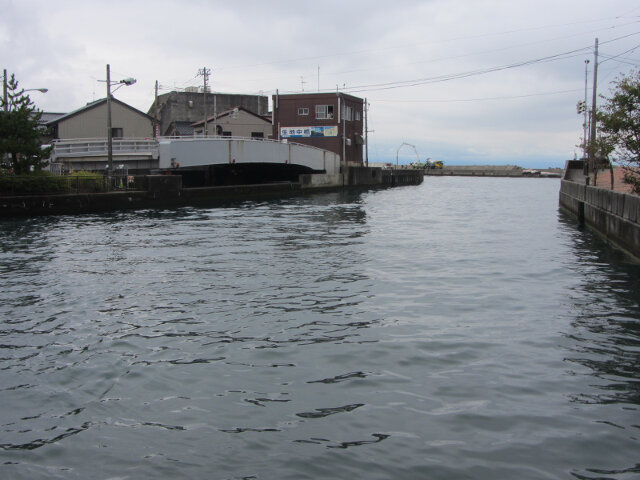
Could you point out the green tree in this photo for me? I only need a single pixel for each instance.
(20, 132)
(619, 126)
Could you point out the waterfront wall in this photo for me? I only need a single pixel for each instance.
(477, 171)
(166, 191)
(492, 171)
(394, 178)
(613, 214)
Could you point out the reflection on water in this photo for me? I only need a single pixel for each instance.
(606, 328)
(457, 329)
(605, 344)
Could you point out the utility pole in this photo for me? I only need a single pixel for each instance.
(156, 127)
(594, 132)
(205, 72)
(366, 135)
(586, 70)
(5, 97)
(109, 133)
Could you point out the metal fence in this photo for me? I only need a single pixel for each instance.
(12, 185)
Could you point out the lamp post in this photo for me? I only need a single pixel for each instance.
(5, 90)
(594, 125)
(127, 81)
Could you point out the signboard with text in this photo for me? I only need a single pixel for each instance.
(302, 132)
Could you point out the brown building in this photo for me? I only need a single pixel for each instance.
(332, 121)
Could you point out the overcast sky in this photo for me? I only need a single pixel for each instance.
(464, 81)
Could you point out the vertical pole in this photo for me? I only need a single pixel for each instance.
(594, 132)
(366, 133)
(204, 74)
(585, 125)
(275, 114)
(345, 172)
(344, 142)
(156, 126)
(109, 137)
(4, 91)
(5, 99)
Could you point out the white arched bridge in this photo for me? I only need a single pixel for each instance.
(191, 154)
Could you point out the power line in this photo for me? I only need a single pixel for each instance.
(506, 97)
(619, 55)
(471, 73)
(454, 39)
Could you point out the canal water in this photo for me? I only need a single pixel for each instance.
(460, 329)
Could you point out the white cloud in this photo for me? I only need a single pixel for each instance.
(253, 46)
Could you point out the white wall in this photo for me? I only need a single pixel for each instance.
(193, 152)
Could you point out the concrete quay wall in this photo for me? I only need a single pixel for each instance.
(166, 191)
(614, 215)
(477, 171)
(492, 171)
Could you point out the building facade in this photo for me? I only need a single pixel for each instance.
(237, 122)
(174, 111)
(80, 138)
(331, 121)
(90, 121)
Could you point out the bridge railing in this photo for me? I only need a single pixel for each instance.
(86, 147)
(218, 138)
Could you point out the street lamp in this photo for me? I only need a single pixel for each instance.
(127, 81)
(5, 88)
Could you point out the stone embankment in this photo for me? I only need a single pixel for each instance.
(613, 214)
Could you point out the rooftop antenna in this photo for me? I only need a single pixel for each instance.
(302, 82)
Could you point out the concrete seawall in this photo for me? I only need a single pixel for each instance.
(166, 191)
(614, 215)
(491, 171)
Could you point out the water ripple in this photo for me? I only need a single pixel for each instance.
(463, 328)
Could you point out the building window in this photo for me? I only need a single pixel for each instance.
(347, 112)
(357, 116)
(303, 111)
(324, 111)
(116, 132)
(257, 134)
(226, 134)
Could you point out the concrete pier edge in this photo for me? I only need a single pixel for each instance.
(613, 215)
(166, 191)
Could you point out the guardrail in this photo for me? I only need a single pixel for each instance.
(86, 147)
(219, 138)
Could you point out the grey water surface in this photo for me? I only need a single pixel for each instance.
(460, 329)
